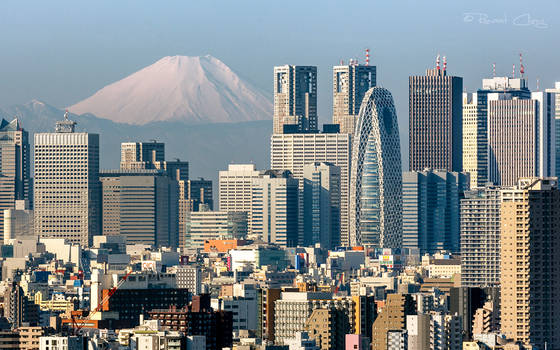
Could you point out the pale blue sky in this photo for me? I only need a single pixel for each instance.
(63, 51)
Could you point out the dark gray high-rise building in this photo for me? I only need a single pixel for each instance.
(435, 120)
(431, 212)
(14, 167)
(142, 205)
(295, 99)
(350, 84)
(200, 192)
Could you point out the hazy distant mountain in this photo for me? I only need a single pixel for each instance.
(208, 147)
(194, 90)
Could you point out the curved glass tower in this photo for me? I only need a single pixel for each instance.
(376, 174)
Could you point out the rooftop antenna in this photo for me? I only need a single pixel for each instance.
(521, 67)
(66, 114)
(513, 72)
(538, 84)
(437, 62)
(494, 69)
(342, 62)
(444, 64)
(367, 57)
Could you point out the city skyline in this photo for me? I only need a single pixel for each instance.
(60, 77)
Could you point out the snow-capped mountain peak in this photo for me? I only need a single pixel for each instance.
(198, 89)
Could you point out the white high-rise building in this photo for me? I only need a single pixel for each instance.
(235, 186)
(350, 84)
(66, 186)
(295, 98)
(274, 212)
(293, 151)
(520, 137)
(376, 175)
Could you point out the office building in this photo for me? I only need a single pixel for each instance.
(435, 125)
(66, 185)
(376, 175)
(293, 151)
(530, 277)
(18, 222)
(200, 192)
(189, 277)
(475, 143)
(205, 225)
(431, 212)
(70, 342)
(556, 92)
(475, 124)
(392, 317)
(526, 126)
(15, 179)
(235, 186)
(480, 237)
(294, 308)
(295, 99)
(274, 209)
(350, 84)
(141, 205)
(141, 155)
(321, 192)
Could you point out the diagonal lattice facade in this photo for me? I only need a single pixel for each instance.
(376, 174)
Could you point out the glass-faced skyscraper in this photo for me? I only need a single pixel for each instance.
(376, 176)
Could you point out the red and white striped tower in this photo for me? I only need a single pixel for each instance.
(521, 66)
(437, 62)
(513, 71)
(494, 69)
(367, 57)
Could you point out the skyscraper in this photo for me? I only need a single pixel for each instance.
(14, 167)
(274, 209)
(523, 125)
(475, 124)
(556, 92)
(350, 84)
(142, 205)
(480, 238)
(141, 154)
(530, 277)
(295, 98)
(435, 124)
(376, 175)
(321, 192)
(431, 215)
(293, 151)
(235, 185)
(66, 187)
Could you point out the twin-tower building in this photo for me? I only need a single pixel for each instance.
(362, 141)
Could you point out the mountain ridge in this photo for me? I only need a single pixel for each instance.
(190, 89)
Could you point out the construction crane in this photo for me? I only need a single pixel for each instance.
(78, 327)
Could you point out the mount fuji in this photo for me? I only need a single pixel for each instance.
(191, 90)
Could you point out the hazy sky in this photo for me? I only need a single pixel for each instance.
(63, 51)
